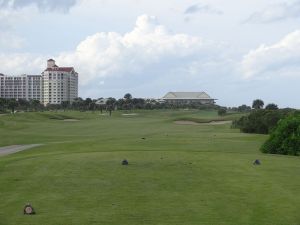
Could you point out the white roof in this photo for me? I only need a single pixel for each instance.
(102, 101)
(187, 95)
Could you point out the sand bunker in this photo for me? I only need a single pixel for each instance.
(219, 122)
(186, 122)
(16, 148)
(71, 120)
(130, 114)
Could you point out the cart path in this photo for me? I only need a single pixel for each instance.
(16, 148)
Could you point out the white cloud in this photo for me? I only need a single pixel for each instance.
(9, 18)
(42, 5)
(201, 8)
(276, 12)
(146, 53)
(282, 58)
(147, 45)
(21, 63)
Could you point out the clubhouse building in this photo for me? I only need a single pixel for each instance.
(182, 98)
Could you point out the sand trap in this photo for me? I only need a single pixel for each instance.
(16, 148)
(104, 114)
(71, 120)
(219, 122)
(186, 122)
(130, 114)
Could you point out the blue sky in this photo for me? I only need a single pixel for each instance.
(236, 51)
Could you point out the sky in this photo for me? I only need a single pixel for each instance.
(236, 51)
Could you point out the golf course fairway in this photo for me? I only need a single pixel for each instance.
(178, 173)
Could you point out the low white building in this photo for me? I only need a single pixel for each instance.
(188, 98)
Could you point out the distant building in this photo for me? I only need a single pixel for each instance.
(55, 85)
(188, 98)
(154, 100)
(27, 87)
(101, 101)
(59, 84)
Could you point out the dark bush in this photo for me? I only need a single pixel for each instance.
(272, 106)
(222, 112)
(285, 139)
(244, 108)
(261, 121)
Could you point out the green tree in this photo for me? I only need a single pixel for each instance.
(65, 105)
(128, 96)
(93, 105)
(35, 104)
(271, 106)
(87, 103)
(244, 108)
(110, 105)
(78, 104)
(261, 121)
(258, 104)
(222, 111)
(138, 103)
(2, 104)
(12, 104)
(286, 137)
(127, 101)
(23, 104)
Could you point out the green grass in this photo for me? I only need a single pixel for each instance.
(178, 174)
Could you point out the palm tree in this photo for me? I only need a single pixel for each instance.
(35, 104)
(257, 104)
(128, 96)
(23, 104)
(65, 105)
(12, 104)
(128, 101)
(87, 103)
(2, 104)
(78, 104)
(110, 104)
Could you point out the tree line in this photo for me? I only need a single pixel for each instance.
(261, 120)
(283, 125)
(89, 104)
(20, 104)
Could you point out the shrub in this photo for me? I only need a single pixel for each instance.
(222, 111)
(244, 108)
(272, 106)
(286, 137)
(261, 121)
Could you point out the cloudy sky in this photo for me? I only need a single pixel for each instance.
(236, 51)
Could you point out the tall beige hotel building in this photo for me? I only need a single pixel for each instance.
(55, 85)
